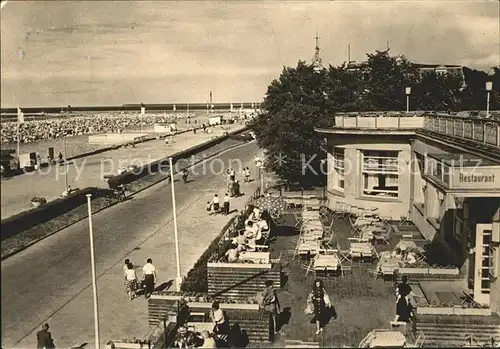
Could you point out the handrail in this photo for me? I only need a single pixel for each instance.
(486, 131)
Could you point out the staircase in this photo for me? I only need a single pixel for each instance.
(452, 330)
(300, 344)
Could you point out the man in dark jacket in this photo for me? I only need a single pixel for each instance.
(44, 338)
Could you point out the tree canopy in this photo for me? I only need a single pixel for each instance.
(300, 100)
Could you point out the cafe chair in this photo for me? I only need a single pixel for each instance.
(345, 268)
(419, 341)
(375, 272)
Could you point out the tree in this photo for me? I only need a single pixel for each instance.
(295, 105)
(438, 92)
(385, 79)
(303, 99)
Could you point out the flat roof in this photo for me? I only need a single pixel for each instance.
(463, 160)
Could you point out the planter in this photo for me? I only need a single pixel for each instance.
(443, 271)
(224, 306)
(409, 271)
(166, 297)
(239, 265)
(124, 345)
(453, 311)
(472, 311)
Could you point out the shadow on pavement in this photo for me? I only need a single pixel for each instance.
(164, 286)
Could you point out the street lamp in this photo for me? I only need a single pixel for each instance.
(489, 87)
(408, 92)
(94, 279)
(178, 278)
(258, 164)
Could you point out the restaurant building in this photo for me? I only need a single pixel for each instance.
(440, 171)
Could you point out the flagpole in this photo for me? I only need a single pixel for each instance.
(19, 135)
(18, 141)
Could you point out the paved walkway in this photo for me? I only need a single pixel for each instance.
(49, 183)
(50, 281)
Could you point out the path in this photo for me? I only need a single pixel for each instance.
(50, 281)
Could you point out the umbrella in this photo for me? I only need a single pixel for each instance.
(274, 205)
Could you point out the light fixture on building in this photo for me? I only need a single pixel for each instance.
(489, 87)
(408, 92)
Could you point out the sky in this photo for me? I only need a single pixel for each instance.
(55, 53)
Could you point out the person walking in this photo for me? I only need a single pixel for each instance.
(149, 272)
(271, 304)
(185, 174)
(226, 204)
(216, 204)
(131, 282)
(247, 174)
(232, 174)
(44, 338)
(317, 298)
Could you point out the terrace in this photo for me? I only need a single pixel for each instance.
(473, 132)
(361, 287)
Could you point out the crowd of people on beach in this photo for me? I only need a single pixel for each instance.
(37, 130)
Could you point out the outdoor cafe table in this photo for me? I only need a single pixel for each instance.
(312, 235)
(310, 214)
(312, 225)
(387, 265)
(388, 339)
(361, 248)
(326, 262)
(256, 257)
(309, 246)
(201, 326)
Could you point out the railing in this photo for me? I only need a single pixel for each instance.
(404, 121)
(485, 131)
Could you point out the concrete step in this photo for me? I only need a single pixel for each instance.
(441, 326)
(458, 338)
(300, 344)
(463, 334)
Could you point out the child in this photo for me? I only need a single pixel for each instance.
(209, 208)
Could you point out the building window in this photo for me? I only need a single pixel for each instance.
(338, 169)
(380, 173)
(487, 265)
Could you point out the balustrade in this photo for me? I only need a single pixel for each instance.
(480, 130)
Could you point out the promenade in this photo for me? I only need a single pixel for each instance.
(49, 183)
(50, 281)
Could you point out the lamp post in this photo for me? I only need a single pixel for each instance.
(489, 87)
(408, 92)
(258, 164)
(178, 278)
(94, 280)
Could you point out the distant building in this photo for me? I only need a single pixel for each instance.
(439, 69)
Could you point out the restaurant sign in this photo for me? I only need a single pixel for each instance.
(477, 178)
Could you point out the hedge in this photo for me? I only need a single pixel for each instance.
(197, 279)
(44, 213)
